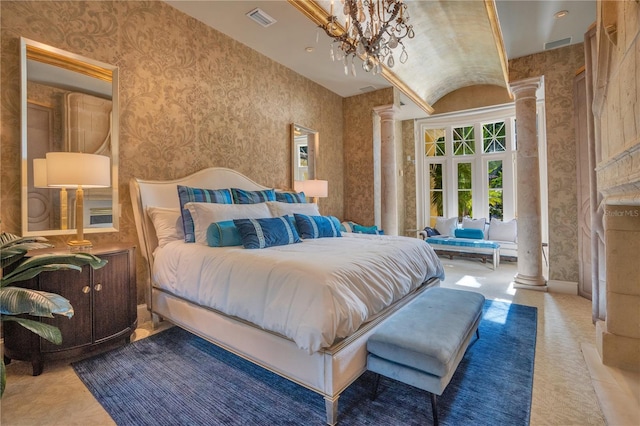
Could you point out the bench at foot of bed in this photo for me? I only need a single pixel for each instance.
(422, 344)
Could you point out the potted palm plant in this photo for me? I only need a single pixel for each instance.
(17, 300)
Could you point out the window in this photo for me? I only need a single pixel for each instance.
(466, 165)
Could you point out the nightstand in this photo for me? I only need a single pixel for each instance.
(104, 303)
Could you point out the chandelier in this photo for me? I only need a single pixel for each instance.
(373, 29)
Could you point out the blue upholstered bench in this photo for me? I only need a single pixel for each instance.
(422, 344)
(467, 245)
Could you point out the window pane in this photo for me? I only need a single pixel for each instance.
(463, 141)
(436, 194)
(495, 189)
(494, 137)
(465, 199)
(434, 145)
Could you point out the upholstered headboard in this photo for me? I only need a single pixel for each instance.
(145, 193)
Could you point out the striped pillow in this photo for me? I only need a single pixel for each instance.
(267, 232)
(317, 226)
(187, 194)
(291, 197)
(242, 196)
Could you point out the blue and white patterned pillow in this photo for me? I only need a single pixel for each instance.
(291, 197)
(187, 194)
(223, 234)
(267, 232)
(243, 196)
(373, 230)
(317, 226)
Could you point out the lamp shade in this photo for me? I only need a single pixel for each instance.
(76, 169)
(312, 187)
(39, 172)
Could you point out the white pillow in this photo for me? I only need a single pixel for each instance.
(279, 208)
(503, 231)
(204, 214)
(468, 223)
(167, 223)
(446, 227)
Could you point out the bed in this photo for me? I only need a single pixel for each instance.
(279, 318)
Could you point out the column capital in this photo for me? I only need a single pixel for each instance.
(386, 112)
(522, 87)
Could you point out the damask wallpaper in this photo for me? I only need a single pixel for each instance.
(190, 97)
(559, 68)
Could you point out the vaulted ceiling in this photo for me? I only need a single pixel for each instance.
(458, 43)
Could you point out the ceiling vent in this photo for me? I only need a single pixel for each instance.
(558, 43)
(261, 17)
(366, 89)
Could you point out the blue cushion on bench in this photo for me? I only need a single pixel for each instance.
(475, 234)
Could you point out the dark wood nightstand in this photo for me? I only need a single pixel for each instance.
(104, 304)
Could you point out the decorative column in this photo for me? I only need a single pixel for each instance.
(528, 184)
(389, 168)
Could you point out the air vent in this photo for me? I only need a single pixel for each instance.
(558, 43)
(366, 89)
(261, 17)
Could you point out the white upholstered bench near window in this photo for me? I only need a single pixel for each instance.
(423, 343)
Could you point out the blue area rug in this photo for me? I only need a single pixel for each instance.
(176, 378)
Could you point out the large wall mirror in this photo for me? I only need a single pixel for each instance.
(304, 146)
(68, 103)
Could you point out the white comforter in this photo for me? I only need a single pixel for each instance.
(312, 292)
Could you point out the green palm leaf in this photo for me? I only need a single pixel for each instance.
(51, 262)
(18, 300)
(43, 330)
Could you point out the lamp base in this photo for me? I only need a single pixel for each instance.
(79, 245)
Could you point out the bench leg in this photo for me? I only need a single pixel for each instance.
(434, 408)
(376, 383)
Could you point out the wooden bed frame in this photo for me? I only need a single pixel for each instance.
(327, 372)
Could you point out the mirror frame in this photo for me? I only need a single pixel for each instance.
(33, 50)
(312, 151)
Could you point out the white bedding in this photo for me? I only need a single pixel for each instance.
(312, 292)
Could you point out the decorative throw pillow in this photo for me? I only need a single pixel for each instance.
(167, 223)
(279, 208)
(317, 226)
(242, 196)
(446, 227)
(204, 214)
(187, 194)
(347, 226)
(503, 231)
(359, 229)
(472, 233)
(431, 232)
(468, 223)
(223, 234)
(269, 232)
(290, 197)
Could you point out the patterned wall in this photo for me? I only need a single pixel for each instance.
(559, 68)
(190, 97)
(358, 154)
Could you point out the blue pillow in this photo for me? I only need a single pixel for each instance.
(317, 226)
(475, 234)
(242, 196)
(223, 234)
(290, 197)
(359, 229)
(267, 232)
(187, 194)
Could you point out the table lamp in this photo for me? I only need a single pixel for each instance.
(40, 181)
(314, 188)
(78, 170)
